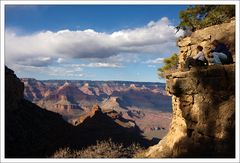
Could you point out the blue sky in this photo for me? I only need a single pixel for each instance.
(90, 42)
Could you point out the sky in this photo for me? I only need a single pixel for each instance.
(90, 42)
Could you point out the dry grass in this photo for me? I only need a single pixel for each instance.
(103, 149)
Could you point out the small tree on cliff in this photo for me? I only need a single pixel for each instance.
(201, 16)
(170, 64)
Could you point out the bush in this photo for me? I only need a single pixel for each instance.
(63, 153)
(170, 64)
(103, 149)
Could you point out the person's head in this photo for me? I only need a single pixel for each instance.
(199, 48)
(210, 55)
(215, 42)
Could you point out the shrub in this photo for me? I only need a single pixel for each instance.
(170, 64)
(102, 149)
(63, 153)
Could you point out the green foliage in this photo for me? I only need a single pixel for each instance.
(170, 64)
(201, 16)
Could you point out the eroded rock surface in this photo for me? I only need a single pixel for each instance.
(203, 124)
(225, 33)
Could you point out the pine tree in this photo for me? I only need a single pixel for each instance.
(201, 16)
(170, 64)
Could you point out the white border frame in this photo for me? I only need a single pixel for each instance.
(125, 2)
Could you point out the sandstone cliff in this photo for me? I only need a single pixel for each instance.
(203, 124)
(203, 102)
(225, 33)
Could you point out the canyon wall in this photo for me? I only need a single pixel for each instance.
(203, 102)
(225, 33)
(203, 123)
(34, 132)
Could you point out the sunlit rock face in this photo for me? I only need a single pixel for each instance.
(225, 33)
(203, 101)
(203, 123)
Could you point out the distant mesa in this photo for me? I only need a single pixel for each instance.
(133, 86)
(113, 103)
(85, 89)
(75, 99)
(143, 87)
(86, 84)
(86, 94)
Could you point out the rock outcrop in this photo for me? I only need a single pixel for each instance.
(105, 118)
(203, 124)
(114, 103)
(13, 88)
(203, 101)
(100, 125)
(34, 89)
(225, 33)
(30, 131)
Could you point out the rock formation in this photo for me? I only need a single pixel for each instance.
(99, 125)
(203, 123)
(225, 33)
(30, 131)
(113, 103)
(34, 89)
(203, 102)
(104, 118)
(33, 132)
(57, 95)
(73, 98)
(13, 88)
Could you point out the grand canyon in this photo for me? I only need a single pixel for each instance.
(144, 104)
(113, 81)
(54, 115)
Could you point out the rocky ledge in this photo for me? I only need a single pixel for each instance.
(203, 124)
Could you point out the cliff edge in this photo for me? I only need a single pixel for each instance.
(203, 124)
(203, 101)
(224, 33)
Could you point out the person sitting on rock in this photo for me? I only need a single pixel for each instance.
(220, 54)
(198, 60)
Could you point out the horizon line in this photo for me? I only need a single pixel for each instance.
(93, 80)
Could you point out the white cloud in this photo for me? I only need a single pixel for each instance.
(60, 60)
(120, 58)
(155, 61)
(104, 65)
(44, 48)
(98, 65)
(44, 58)
(64, 71)
(151, 66)
(36, 61)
